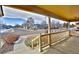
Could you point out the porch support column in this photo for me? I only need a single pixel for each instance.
(69, 28)
(49, 31)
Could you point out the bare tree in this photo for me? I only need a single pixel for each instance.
(44, 24)
(30, 23)
(24, 25)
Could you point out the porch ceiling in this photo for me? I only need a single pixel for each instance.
(62, 12)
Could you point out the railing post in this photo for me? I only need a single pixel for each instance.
(40, 43)
(49, 31)
(32, 45)
(69, 28)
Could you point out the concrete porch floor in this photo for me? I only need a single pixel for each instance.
(70, 46)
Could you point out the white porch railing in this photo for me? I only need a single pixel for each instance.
(43, 39)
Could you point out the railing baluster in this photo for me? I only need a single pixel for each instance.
(49, 39)
(40, 43)
(32, 42)
(32, 45)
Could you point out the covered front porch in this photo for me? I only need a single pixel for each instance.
(65, 41)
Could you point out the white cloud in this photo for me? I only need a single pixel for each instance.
(11, 12)
(16, 13)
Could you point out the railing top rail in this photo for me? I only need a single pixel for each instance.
(47, 34)
(35, 38)
(53, 33)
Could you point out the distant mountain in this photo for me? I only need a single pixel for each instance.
(13, 21)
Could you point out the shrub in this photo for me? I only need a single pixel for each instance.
(29, 40)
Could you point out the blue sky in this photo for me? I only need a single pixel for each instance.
(12, 21)
(19, 15)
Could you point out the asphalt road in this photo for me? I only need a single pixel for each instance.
(26, 32)
(23, 32)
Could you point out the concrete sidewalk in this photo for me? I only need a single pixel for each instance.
(21, 48)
